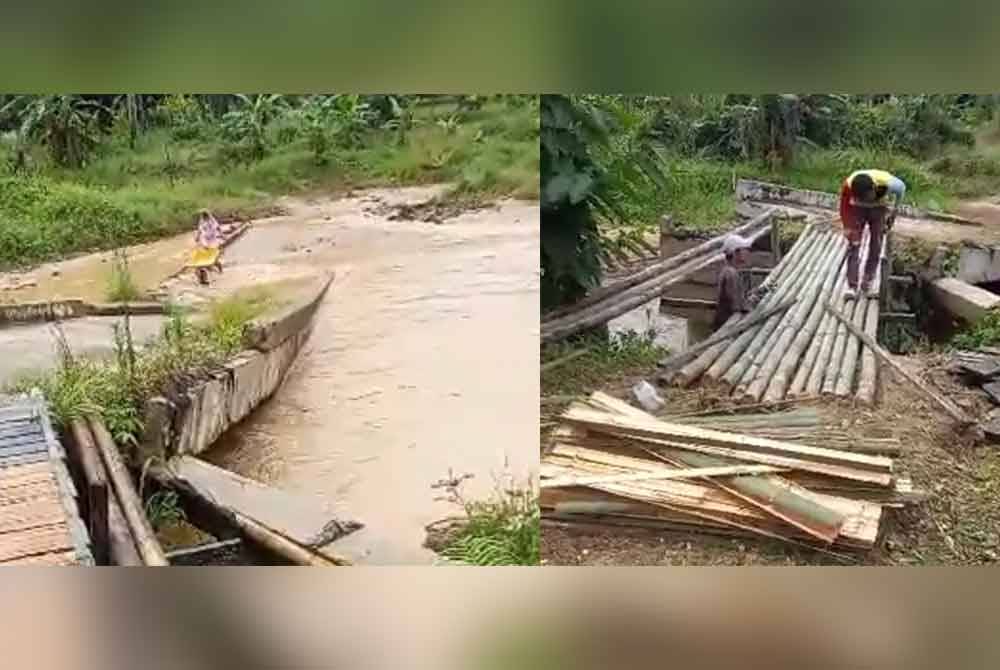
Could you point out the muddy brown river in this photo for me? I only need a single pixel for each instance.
(423, 359)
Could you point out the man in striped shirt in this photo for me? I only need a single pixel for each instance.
(864, 200)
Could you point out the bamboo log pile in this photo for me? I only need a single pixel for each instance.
(782, 475)
(804, 350)
(624, 295)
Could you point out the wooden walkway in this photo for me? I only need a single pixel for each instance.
(39, 516)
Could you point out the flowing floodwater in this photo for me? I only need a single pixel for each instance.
(423, 359)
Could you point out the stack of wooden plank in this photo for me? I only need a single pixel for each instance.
(39, 512)
(804, 350)
(611, 463)
(639, 288)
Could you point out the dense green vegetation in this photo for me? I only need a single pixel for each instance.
(681, 155)
(96, 172)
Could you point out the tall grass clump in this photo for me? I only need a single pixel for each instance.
(501, 530)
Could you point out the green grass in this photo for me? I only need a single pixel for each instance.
(983, 333)
(503, 530)
(126, 196)
(121, 284)
(117, 389)
(699, 192)
(605, 362)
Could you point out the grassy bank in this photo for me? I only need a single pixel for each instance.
(699, 192)
(127, 195)
(117, 389)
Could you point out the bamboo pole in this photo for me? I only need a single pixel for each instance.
(848, 368)
(690, 372)
(732, 352)
(782, 342)
(659, 268)
(949, 407)
(819, 348)
(802, 332)
(616, 305)
(726, 333)
(745, 368)
(868, 380)
(564, 359)
(135, 516)
(840, 340)
(281, 545)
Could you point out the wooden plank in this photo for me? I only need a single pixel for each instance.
(30, 514)
(96, 490)
(667, 473)
(43, 540)
(604, 422)
(57, 559)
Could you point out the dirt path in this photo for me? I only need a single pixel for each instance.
(419, 360)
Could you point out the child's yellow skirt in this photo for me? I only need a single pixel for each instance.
(203, 257)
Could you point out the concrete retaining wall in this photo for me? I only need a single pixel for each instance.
(57, 310)
(191, 423)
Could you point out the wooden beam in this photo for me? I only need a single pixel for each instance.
(145, 538)
(687, 303)
(950, 408)
(95, 498)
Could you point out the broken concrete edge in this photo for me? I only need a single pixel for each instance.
(191, 421)
(751, 189)
(72, 308)
(267, 333)
(963, 300)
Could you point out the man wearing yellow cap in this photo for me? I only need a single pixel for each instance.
(864, 200)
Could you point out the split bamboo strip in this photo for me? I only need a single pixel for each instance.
(731, 353)
(603, 421)
(775, 496)
(659, 268)
(690, 372)
(818, 353)
(621, 303)
(840, 341)
(802, 331)
(792, 324)
(668, 473)
(745, 368)
(952, 410)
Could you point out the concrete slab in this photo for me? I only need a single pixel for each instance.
(962, 299)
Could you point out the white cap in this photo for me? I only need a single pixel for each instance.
(735, 242)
